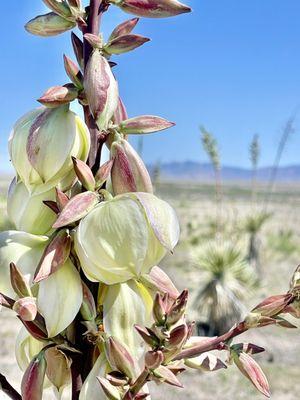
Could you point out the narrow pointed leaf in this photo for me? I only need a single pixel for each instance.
(78, 49)
(73, 72)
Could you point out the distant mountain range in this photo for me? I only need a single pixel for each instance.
(194, 171)
(203, 172)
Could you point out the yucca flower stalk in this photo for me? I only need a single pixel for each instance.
(210, 146)
(254, 153)
(100, 319)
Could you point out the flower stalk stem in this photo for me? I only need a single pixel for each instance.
(6, 388)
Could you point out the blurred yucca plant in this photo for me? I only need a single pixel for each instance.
(226, 279)
(252, 226)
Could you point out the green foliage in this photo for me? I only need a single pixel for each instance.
(226, 279)
(255, 222)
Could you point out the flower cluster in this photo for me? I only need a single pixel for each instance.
(100, 318)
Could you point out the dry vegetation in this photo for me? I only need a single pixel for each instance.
(280, 249)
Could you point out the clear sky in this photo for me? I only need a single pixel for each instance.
(231, 65)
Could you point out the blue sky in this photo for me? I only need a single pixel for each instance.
(231, 65)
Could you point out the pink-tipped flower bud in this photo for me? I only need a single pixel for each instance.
(110, 391)
(159, 310)
(120, 358)
(178, 336)
(73, 72)
(153, 8)
(252, 371)
(78, 207)
(101, 89)
(123, 29)
(84, 174)
(54, 256)
(125, 43)
(177, 311)
(153, 359)
(144, 124)
(18, 281)
(88, 307)
(58, 95)
(78, 49)
(49, 24)
(26, 308)
(273, 305)
(60, 7)
(129, 173)
(33, 378)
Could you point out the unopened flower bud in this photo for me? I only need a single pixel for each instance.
(123, 29)
(39, 162)
(84, 174)
(273, 305)
(125, 43)
(153, 8)
(94, 40)
(26, 308)
(252, 371)
(78, 49)
(59, 95)
(148, 335)
(73, 72)
(164, 374)
(129, 173)
(119, 357)
(54, 256)
(178, 336)
(145, 223)
(177, 311)
(101, 89)
(60, 7)
(49, 25)
(27, 211)
(144, 124)
(33, 378)
(110, 391)
(77, 207)
(19, 282)
(153, 359)
(159, 310)
(88, 307)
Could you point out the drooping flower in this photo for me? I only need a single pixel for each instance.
(42, 143)
(125, 237)
(27, 211)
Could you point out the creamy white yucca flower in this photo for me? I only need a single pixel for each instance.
(91, 388)
(41, 145)
(23, 249)
(124, 306)
(27, 211)
(63, 287)
(125, 237)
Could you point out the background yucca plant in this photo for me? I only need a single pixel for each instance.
(226, 279)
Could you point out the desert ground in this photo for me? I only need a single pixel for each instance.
(280, 254)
